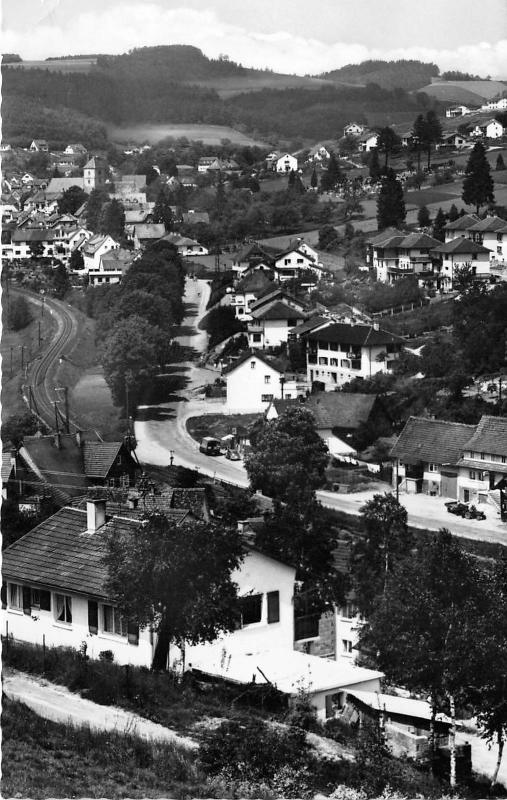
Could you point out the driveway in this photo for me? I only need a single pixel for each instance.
(58, 704)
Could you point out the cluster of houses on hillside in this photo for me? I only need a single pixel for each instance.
(471, 242)
(34, 227)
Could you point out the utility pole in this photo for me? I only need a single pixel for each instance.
(12, 348)
(40, 338)
(22, 355)
(56, 417)
(65, 390)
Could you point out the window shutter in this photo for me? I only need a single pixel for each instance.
(45, 600)
(27, 600)
(273, 607)
(93, 616)
(4, 595)
(133, 633)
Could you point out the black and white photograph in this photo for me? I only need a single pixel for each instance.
(254, 399)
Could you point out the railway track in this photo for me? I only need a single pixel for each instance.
(41, 374)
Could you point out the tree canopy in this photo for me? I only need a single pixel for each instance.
(71, 199)
(175, 578)
(478, 185)
(288, 458)
(390, 203)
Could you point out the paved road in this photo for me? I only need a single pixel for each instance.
(59, 705)
(163, 431)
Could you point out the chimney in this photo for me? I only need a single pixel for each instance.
(95, 515)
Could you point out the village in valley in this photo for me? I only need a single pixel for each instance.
(254, 433)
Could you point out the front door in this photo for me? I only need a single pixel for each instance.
(466, 495)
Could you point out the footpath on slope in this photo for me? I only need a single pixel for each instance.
(58, 704)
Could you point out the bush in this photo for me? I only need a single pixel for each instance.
(254, 751)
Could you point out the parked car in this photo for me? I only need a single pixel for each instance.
(464, 510)
(210, 446)
(232, 455)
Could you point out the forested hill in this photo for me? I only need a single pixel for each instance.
(408, 75)
(168, 84)
(176, 63)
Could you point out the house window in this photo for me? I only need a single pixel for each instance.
(432, 467)
(251, 609)
(472, 454)
(333, 346)
(286, 261)
(267, 378)
(346, 646)
(256, 338)
(118, 460)
(273, 607)
(348, 611)
(113, 621)
(482, 456)
(472, 474)
(63, 611)
(15, 596)
(499, 237)
(266, 398)
(504, 459)
(41, 599)
(300, 261)
(333, 362)
(322, 360)
(252, 364)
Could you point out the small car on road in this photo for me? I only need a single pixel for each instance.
(232, 455)
(464, 510)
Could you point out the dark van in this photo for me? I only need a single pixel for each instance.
(210, 446)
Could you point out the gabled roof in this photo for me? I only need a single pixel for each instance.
(390, 236)
(119, 258)
(99, 457)
(461, 245)
(253, 282)
(7, 466)
(462, 223)
(400, 706)
(58, 186)
(432, 440)
(34, 235)
(488, 224)
(490, 436)
(135, 215)
(59, 554)
(417, 240)
(310, 324)
(340, 409)
(149, 230)
(364, 335)
(256, 250)
(278, 309)
(95, 242)
(275, 363)
(180, 241)
(275, 294)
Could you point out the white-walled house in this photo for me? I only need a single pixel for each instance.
(460, 226)
(482, 469)
(54, 587)
(271, 324)
(286, 163)
(395, 255)
(255, 379)
(426, 456)
(492, 233)
(338, 353)
(494, 129)
(459, 253)
(457, 111)
(367, 142)
(94, 248)
(186, 247)
(112, 267)
(291, 262)
(353, 129)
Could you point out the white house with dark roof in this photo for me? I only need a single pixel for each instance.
(271, 323)
(286, 163)
(394, 255)
(367, 141)
(247, 291)
(255, 379)
(186, 247)
(54, 581)
(39, 146)
(492, 233)
(112, 267)
(458, 254)
(95, 247)
(353, 129)
(482, 469)
(427, 454)
(290, 263)
(338, 353)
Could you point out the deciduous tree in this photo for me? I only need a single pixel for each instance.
(131, 355)
(112, 219)
(175, 578)
(288, 458)
(71, 199)
(162, 211)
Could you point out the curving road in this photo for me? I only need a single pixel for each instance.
(163, 432)
(41, 374)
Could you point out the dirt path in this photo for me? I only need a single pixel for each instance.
(58, 704)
